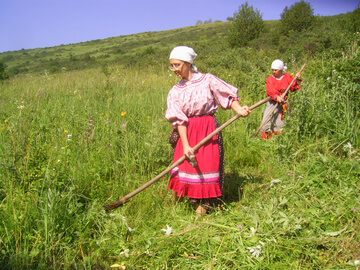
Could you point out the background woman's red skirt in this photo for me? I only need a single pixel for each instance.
(201, 181)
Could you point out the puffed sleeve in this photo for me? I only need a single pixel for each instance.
(224, 93)
(174, 113)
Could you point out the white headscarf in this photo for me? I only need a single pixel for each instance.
(184, 53)
(278, 64)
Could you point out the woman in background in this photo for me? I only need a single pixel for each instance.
(192, 104)
(275, 87)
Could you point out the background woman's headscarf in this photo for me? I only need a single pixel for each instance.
(278, 64)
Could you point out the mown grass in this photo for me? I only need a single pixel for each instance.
(74, 141)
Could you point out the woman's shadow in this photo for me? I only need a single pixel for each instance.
(235, 184)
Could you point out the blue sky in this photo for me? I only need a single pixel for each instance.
(45, 23)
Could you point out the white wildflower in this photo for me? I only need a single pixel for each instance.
(21, 107)
(255, 251)
(275, 181)
(126, 253)
(269, 240)
(357, 262)
(329, 78)
(349, 148)
(130, 229)
(168, 230)
(253, 231)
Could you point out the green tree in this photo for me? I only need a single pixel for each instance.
(3, 74)
(246, 26)
(299, 17)
(352, 24)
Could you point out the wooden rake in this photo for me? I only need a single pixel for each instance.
(179, 161)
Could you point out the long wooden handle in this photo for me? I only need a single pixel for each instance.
(273, 110)
(180, 160)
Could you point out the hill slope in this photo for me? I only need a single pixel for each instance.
(126, 50)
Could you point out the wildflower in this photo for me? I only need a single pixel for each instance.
(110, 144)
(355, 210)
(240, 227)
(123, 124)
(168, 230)
(357, 262)
(66, 131)
(275, 181)
(269, 240)
(126, 253)
(349, 148)
(329, 78)
(229, 75)
(123, 113)
(255, 251)
(21, 107)
(130, 229)
(120, 266)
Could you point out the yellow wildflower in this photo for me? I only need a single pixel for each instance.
(123, 113)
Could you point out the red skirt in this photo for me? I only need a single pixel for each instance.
(201, 181)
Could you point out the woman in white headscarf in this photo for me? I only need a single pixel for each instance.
(275, 86)
(192, 104)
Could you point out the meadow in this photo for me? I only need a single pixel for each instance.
(74, 140)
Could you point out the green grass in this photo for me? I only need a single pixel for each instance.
(75, 140)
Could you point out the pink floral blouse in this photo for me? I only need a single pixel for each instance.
(200, 96)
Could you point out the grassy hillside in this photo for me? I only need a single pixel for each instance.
(124, 50)
(82, 125)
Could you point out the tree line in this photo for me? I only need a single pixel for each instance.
(248, 23)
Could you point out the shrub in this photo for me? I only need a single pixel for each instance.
(3, 74)
(299, 17)
(247, 25)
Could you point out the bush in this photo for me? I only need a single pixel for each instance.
(247, 25)
(3, 74)
(299, 17)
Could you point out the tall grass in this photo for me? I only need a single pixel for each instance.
(72, 142)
